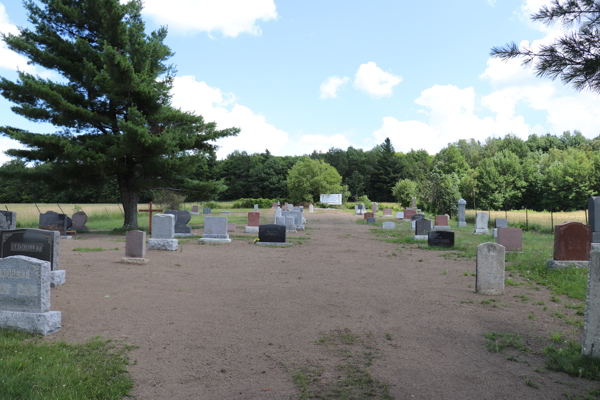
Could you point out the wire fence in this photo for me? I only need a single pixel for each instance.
(532, 220)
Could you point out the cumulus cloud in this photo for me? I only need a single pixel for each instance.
(330, 87)
(376, 82)
(256, 133)
(230, 17)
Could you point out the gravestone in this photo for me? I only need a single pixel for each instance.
(387, 212)
(79, 219)
(415, 218)
(460, 214)
(399, 214)
(207, 211)
(591, 324)
(501, 223)
(298, 218)
(481, 224)
(225, 212)
(290, 224)
(256, 208)
(371, 220)
(572, 244)
(510, 238)
(422, 228)
(374, 208)
(231, 227)
(182, 217)
(195, 210)
(368, 215)
(135, 248)
(413, 203)
(51, 221)
(388, 225)
(163, 233)
(35, 243)
(440, 238)
(215, 230)
(408, 214)
(25, 299)
(489, 278)
(279, 221)
(311, 209)
(593, 216)
(441, 223)
(253, 222)
(8, 220)
(278, 212)
(272, 235)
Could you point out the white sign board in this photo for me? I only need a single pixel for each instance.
(331, 198)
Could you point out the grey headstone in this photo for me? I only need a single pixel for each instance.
(593, 213)
(399, 214)
(388, 225)
(501, 223)
(481, 223)
(24, 284)
(79, 219)
(163, 226)
(414, 202)
(290, 223)
(215, 228)
(135, 244)
(207, 211)
(8, 220)
(422, 227)
(297, 218)
(490, 269)
(374, 207)
(51, 221)
(280, 221)
(256, 207)
(35, 243)
(371, 220)
(460, 215)
(182, 217)
(591, 324)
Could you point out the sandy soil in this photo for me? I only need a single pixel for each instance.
(233, 321)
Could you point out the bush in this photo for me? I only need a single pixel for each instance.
(249, 203)
(168, 199)
(365, 199)
(210, 204)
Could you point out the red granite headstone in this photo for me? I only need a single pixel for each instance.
(572, 242)
(409, 213)
(253, 219)
(510, 238)
(441, 220)
(230, 227)
(194, 209)
(369, 215)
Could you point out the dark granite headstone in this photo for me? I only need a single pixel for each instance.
(422, 227)
(79, 220)
(593, 216)
(34, 243)
(417, 217)
(8, 220)
(182, 217)
(271, 233)
(360, 206)
(572, 242)
(371, 220)
(501, 223)
(207, 211)
(440, 238)
(51, 221)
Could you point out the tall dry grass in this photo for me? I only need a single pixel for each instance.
(543, 220)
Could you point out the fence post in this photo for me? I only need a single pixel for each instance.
(526, 221)
(552, 221)
(586, 221)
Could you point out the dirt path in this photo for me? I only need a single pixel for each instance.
(234, 321)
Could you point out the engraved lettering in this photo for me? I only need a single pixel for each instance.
(27, 247)
(14, 273)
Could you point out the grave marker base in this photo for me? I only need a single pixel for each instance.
(565, 264)
(420, 237)
(134, 261)
(37, 323)
(215, 240)
(184, 234)
(251, 229)
(481, 231)
(441, 228)
(461, 224)
(163, 244)
(58, 277)
(274, 244)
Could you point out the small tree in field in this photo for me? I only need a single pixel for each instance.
(112, 104)
(309, 178)
(404, 191)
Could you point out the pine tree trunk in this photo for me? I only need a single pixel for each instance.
(129, 198)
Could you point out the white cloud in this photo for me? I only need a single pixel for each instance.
(331, 85)
(256, 133)
(491, 2)
(376, 82)
(230, 17)
(5, 144)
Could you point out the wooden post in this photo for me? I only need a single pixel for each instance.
(552, 220)
(150, 210)
(61, 210)
(526, 221)
(586, 221)
(37, 208)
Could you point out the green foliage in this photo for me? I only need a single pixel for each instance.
(168, 199)
(112, 104)
(404, 191)
(569, 359)
(308, 179)
(263, 204)
(365, 199)
(31, 368)
(386, 172)
(210, 204)
(500, 181)
(440, 192)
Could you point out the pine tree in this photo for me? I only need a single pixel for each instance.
(385, 174)
(111, 102)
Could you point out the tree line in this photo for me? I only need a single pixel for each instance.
(548, 172)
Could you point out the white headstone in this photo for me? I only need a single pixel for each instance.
(490, 269)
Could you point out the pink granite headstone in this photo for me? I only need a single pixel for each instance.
(510, 238)
(408, 214)
(253, 219)
(230, 227)
(441, 220)
(135, 244)
(387, 212)
(194, 209)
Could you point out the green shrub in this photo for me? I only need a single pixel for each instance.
(249, 203)
(210, 204)
(365, 199)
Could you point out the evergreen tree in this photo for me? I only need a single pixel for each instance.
(112, 101)
(385, 174)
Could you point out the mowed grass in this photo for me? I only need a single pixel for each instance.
(33, 369)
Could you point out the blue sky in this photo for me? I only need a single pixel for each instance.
(297, 76)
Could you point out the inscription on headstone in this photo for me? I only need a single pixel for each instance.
(440, 238)
(24, 284)
(490, 269)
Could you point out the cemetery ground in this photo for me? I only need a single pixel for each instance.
(349, 311)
